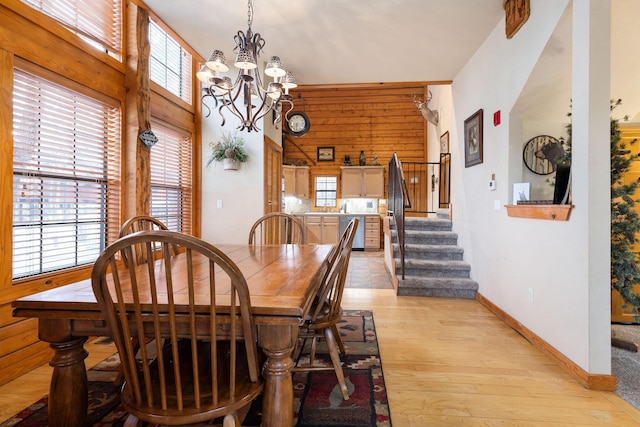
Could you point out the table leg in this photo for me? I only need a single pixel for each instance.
(278, 342)
(68, 399)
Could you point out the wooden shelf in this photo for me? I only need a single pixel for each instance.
(551, 212)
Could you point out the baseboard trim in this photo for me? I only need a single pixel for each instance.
(591, 381)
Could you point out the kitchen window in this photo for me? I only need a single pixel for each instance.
(326, 191)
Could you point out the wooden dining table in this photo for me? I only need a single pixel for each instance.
(282, 281)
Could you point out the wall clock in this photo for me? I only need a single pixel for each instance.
(298, 123)
(540, 154)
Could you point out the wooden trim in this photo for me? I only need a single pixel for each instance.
(551, 212)
(6, 168)
(600, 382)
(385, 85)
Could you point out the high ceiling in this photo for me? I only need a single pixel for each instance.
(353, 41)
(344, 41)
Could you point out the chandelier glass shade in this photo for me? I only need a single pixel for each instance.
(246, 98)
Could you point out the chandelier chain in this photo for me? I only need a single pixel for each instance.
(249, 13)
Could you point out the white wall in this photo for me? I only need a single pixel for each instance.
(559, 261)
(241, 192)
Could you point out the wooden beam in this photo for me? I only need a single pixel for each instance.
(137, 114)
(291, 141)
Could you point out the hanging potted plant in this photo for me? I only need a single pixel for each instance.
(229, 150)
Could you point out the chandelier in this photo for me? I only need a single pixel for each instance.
(254, 100)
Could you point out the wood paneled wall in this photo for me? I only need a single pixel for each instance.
(379, 119)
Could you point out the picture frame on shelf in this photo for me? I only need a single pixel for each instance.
(521, 192)
(326, 154)
(444, 142)
(473, 139)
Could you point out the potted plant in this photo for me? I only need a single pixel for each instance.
(229, 150)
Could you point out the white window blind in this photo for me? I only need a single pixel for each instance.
(66, 176)
(171, 188)
(97, 21)
(169, 63)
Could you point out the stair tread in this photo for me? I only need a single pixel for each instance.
(438, 283)
(453, 264)
(443, 280)
(439, 248)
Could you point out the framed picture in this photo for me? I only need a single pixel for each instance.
(516, 13)
(326, 154)
(444, 142)
(473, 139)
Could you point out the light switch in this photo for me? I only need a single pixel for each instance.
(496, 205)
(219, 204)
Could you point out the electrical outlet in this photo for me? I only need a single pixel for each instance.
(492, 185)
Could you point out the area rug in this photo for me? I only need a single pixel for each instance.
(317, 398)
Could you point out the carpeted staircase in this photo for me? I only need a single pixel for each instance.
(433, 260)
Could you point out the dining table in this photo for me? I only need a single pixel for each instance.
(282, 281)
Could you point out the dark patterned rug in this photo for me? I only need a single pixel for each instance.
(317, 397)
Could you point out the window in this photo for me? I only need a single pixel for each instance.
(171, 189)
(100, 24)
(66, 176)
(326, 191)
(169, 63)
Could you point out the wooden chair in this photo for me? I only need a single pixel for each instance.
(141, 223)
(277, 228)
(208, 367)
(133, 225)
(326, 311)
(345, 239)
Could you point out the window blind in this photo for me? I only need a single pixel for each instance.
(169, 63)
(171, 183)
(66, 176)
(97, 21)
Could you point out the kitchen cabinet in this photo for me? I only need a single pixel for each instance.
(371, 232)
(321, 229)
(296, 181)
(362, 181)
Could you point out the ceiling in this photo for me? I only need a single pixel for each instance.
(353, 41)
(344, 41)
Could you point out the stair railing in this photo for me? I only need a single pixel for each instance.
(398, 200)
(428, 184)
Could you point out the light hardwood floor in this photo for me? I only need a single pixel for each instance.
(446, 362)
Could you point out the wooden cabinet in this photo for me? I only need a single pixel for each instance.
(372, 232)
(362, 181)
(321, 229)
(296, 181)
